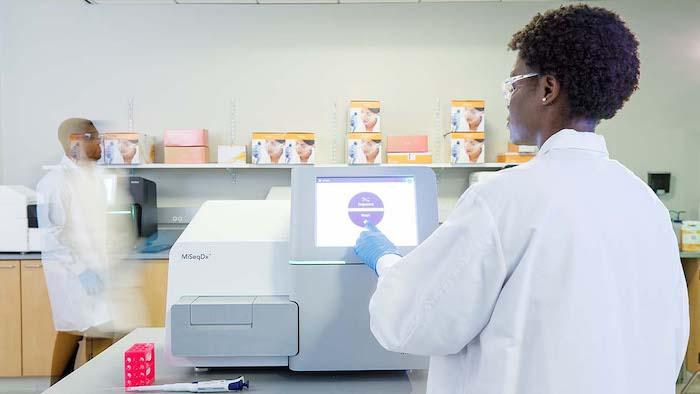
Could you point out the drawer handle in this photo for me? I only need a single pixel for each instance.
(33, 266)
(7, 267)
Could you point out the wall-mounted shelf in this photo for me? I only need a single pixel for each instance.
(162, 166)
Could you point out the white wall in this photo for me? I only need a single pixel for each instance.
(287, 65)
(2, 45)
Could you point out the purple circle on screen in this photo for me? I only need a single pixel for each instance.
(366, 207)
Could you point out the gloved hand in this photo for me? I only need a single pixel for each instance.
(91, 282)
(372, 245)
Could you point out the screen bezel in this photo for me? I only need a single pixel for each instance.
(303, 242)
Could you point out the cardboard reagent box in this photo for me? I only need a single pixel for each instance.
(231, 154)
(409, 158)
(522, 149)
(77, 151)
(267, 147)
(364, 148)
(123, 148)
(407, 143)
(186, 154)
(690, 236)
(364, 117)
(467, 115)
(186, 137)
(300, 147)
(465, 148)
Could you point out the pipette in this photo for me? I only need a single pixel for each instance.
(211, 386)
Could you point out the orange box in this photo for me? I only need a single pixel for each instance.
(690, 236)
(511, 157)
(364, 116)
(186, 154)
(464, 148)
(409, 158)
(364, 148)
(467, 115)
(123, 148)
(186, 137)
(522, 149)
(407, 143)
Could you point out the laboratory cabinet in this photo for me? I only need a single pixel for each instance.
(10, 319)
(27, 336)
(691, 266)
(38, 335)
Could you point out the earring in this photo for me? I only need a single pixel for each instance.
(544, 99)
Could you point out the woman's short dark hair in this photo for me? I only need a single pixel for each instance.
(589, 50)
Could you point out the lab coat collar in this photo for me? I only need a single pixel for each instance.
(572, 139)
(68, 163)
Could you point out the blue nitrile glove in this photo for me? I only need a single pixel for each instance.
(372, 245)
(91, 282)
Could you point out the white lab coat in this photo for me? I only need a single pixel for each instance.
(559, 276)
(72, 220)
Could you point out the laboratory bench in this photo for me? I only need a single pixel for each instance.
(164, 237)
(691, 268)
(28, 335)
(105, 374)
(132, 256)
(20, 256)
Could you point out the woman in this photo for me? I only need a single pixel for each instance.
(561, 275)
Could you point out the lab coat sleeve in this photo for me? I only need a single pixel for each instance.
(439, 297)
(57, 239)
(386, 261)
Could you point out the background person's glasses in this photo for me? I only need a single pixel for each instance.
(508, 87)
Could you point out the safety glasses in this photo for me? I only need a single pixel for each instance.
(90, 136)
(509, 89)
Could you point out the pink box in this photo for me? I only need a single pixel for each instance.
(189, 137)
(139, 365)
(186, 154)
(407, 143)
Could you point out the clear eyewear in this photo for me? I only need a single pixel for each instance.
(89, 136)
(509, 89)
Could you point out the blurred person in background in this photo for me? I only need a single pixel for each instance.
(75, 234)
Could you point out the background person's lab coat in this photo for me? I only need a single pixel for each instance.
(72, 220)
(559, 276)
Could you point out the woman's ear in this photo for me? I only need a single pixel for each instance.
(550, 89)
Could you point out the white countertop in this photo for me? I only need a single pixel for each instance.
(105, 374)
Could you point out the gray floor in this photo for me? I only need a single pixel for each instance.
(694, 388)
(37, 385)
(23, 385)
